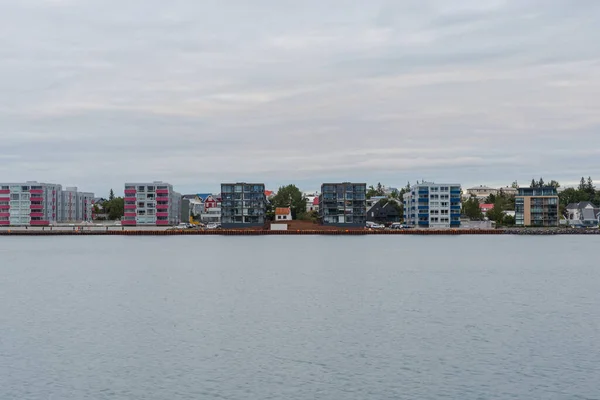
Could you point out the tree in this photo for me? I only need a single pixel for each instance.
(582, 184)
(372, 191)
(533, 183)
(471, 209)
(541, 182)
(491, 199)
(290, 196)
(115, 208)
(554, 184)
(515, 185)
(111, 195)
(509, 220)
(589, 187)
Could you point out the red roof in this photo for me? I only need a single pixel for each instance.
(486, 206)
(316, 201)
(268, 193)
(282, 211)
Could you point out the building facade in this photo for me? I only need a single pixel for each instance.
(243, 205)
(432, 205)
(41, 204)
(536, 207)
(343, 204)
(76, 205)
(583, 214)
(154, 203)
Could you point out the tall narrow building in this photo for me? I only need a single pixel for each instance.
(343, 204)
(433, 205)
(151, 203)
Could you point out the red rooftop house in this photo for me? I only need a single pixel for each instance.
(155, 204)
(486, 207)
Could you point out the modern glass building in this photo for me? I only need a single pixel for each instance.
(243, 205)
(433, 205)
(536, 207)
(343, 204)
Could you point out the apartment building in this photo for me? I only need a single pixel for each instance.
(30, 204)
(537, 207)
(243, 205)
(151, 203)
(432, 205)
(76, 205)
(343, 204)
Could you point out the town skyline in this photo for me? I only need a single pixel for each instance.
(480, 92)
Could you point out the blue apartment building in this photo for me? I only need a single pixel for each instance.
(432, 205)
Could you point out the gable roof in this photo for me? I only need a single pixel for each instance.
(203, 196)
(282, 211)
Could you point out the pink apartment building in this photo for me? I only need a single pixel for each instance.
(154, 203)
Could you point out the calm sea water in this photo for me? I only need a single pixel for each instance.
(300, 318)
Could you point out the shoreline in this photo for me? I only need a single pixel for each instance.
(248, 232)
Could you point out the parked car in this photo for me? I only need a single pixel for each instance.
(398, 225)
(212, 225)
(374, 225)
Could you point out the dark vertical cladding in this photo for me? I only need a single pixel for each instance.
(343, 204)
(243, 205)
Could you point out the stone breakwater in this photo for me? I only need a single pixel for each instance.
(550, 231)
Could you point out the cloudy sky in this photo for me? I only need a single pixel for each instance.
(94, 93)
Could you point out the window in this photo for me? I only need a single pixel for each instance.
(151, 188)
(141, 188)
(141, 204)
(444, 204)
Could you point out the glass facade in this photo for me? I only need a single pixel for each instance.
(243, 204)
(343, 204)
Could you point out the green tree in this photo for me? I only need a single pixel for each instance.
(554, 184)
(541, 182)
(533, 183)
(111, 195)
(515, 185)
(491, 199)
(509, 220)
(471, 209)
(115, 208)
(290, 196)
(582, 184)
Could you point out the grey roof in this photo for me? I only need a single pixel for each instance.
(579, 206)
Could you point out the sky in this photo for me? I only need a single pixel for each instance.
(95, 93)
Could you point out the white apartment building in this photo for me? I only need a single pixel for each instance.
(432, 205)
(153, 203)
(76, 205)
(41, 204)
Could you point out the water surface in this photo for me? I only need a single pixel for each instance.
(307, 317)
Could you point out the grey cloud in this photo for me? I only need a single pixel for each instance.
(195, 92)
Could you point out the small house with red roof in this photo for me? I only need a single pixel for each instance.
(486, 207)
(283, 214)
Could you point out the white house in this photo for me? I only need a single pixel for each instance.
(283, 214)
(582, 214)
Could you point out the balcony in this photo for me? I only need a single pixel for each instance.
(39, 223)
(129, 214)
(36, 206)
(162, 222)
(162, 191)
(130, 206)
(4, 222)
(4, 198)
(133, 199)
(162, 206)
(455, 208)
(5, 191)
(128, 223)
(4, 214)
(36, 199)
(36, 214)
(423, 207)
(36, 191)
(130, 191)
(162, 214)
(4, 207)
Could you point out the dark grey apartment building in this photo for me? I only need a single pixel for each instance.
(343, 204)
(243, 205)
